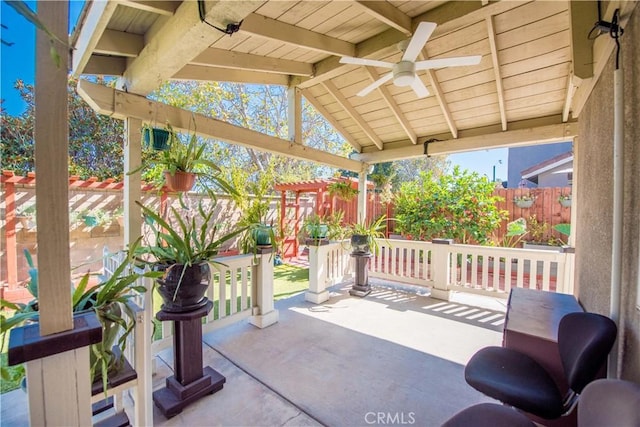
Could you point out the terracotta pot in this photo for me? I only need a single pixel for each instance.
(183, 292)
(180, 181)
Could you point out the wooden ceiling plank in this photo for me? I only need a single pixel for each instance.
(491, 30)
(270, 28)
(344, 103)
(544, 134)
(119, 43)
(387, 13)
(120, 105)
(93, 26)
(244, 61)
(570, 91)
(583, 14)
(331, 119)
(164, 53)
(166, 8)
(202, 73)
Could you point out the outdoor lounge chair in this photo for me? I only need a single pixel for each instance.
(514, 378)
(602, 403)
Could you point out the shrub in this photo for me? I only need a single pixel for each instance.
(459, 206)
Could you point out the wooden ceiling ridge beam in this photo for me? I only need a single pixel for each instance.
(94, 24)
(262, 26)
(351, 111)
(527, 132)
(327, 115)
(390, 15)
(439, 93)
(245, 61)
(119, 43)
(491, 30)
(121, 105)
(166, 8)
(395, 109)
(165, 54)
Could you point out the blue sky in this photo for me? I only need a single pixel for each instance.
(17, 62)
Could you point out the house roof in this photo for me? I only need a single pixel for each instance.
(526, 88)
(547, 165)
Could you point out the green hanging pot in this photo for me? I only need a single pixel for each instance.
(158, 139)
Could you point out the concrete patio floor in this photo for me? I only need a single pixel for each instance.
(394, 357)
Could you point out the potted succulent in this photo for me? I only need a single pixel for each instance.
(185, 244)
(107, 299)
(525, 201)
(565, 200)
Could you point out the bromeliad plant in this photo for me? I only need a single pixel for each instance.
(364, 234)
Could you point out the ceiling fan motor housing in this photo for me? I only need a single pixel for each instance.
(404, 72)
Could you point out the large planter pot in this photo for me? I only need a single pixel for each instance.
(158, 139)
(360, 244)
(262, 235)
(182, 288)
(179, 181)
(110, 332)
(317, 231)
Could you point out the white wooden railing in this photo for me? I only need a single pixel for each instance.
(444, 267)
(330, 264)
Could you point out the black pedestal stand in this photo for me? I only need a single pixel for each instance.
(190, 381)
(361, 287)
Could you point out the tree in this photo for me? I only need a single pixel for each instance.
(459, 206)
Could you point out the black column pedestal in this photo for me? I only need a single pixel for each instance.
(191, 381)
(361, 287)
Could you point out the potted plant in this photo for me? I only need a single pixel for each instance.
(315, 229)
(184, 245)
(364, 235)
(565, 200)
(343, 190)
(156, 138)
(26, 214)
(525, 201)
(107, 299)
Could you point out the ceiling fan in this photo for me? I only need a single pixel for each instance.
(404, 72)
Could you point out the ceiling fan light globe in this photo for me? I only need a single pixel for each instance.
(404, 73)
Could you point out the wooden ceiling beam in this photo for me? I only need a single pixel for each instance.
(262, 26)
(244, 61)
(121, 105)
(544, 134)
(571, 90)
(583, 14)
(388, 98)
(105, 66)
(217, 74)
(390, 15)
(95, 23)
(329, 117)
(166, 8)
(344, 103)
(119, 43)
(164, 54)
(491, 30)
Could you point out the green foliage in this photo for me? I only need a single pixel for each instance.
(515, 232)
(343, 190)
(373, 230)
(563, 229)
(459, 206)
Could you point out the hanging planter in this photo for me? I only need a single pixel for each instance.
(157, 139)
(524, 202)
(180, 181)
(565, 200)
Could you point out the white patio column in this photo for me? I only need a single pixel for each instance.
(264, 313)
(441, 267)
(362, 196)
(132, 183)
(317, 292)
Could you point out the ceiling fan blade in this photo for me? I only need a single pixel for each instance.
(418, 40)
(419, 88)
(448, 62)
(365, 61)
(382, 80)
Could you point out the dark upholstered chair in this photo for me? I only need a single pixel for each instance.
(584, 341)
(602, 403)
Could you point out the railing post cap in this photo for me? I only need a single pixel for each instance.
(442, 241)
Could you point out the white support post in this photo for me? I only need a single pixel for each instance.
(362, 196)
(441, 267)
(317, 292)
(132, 183)
(294, 114)
(264, 313)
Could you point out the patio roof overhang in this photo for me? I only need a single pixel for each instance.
(537, 67)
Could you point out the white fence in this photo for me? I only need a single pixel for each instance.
(444, 267)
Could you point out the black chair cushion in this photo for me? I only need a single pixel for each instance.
(489, 415)
(515, 379)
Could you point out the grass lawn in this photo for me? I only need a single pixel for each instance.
(288, 280)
